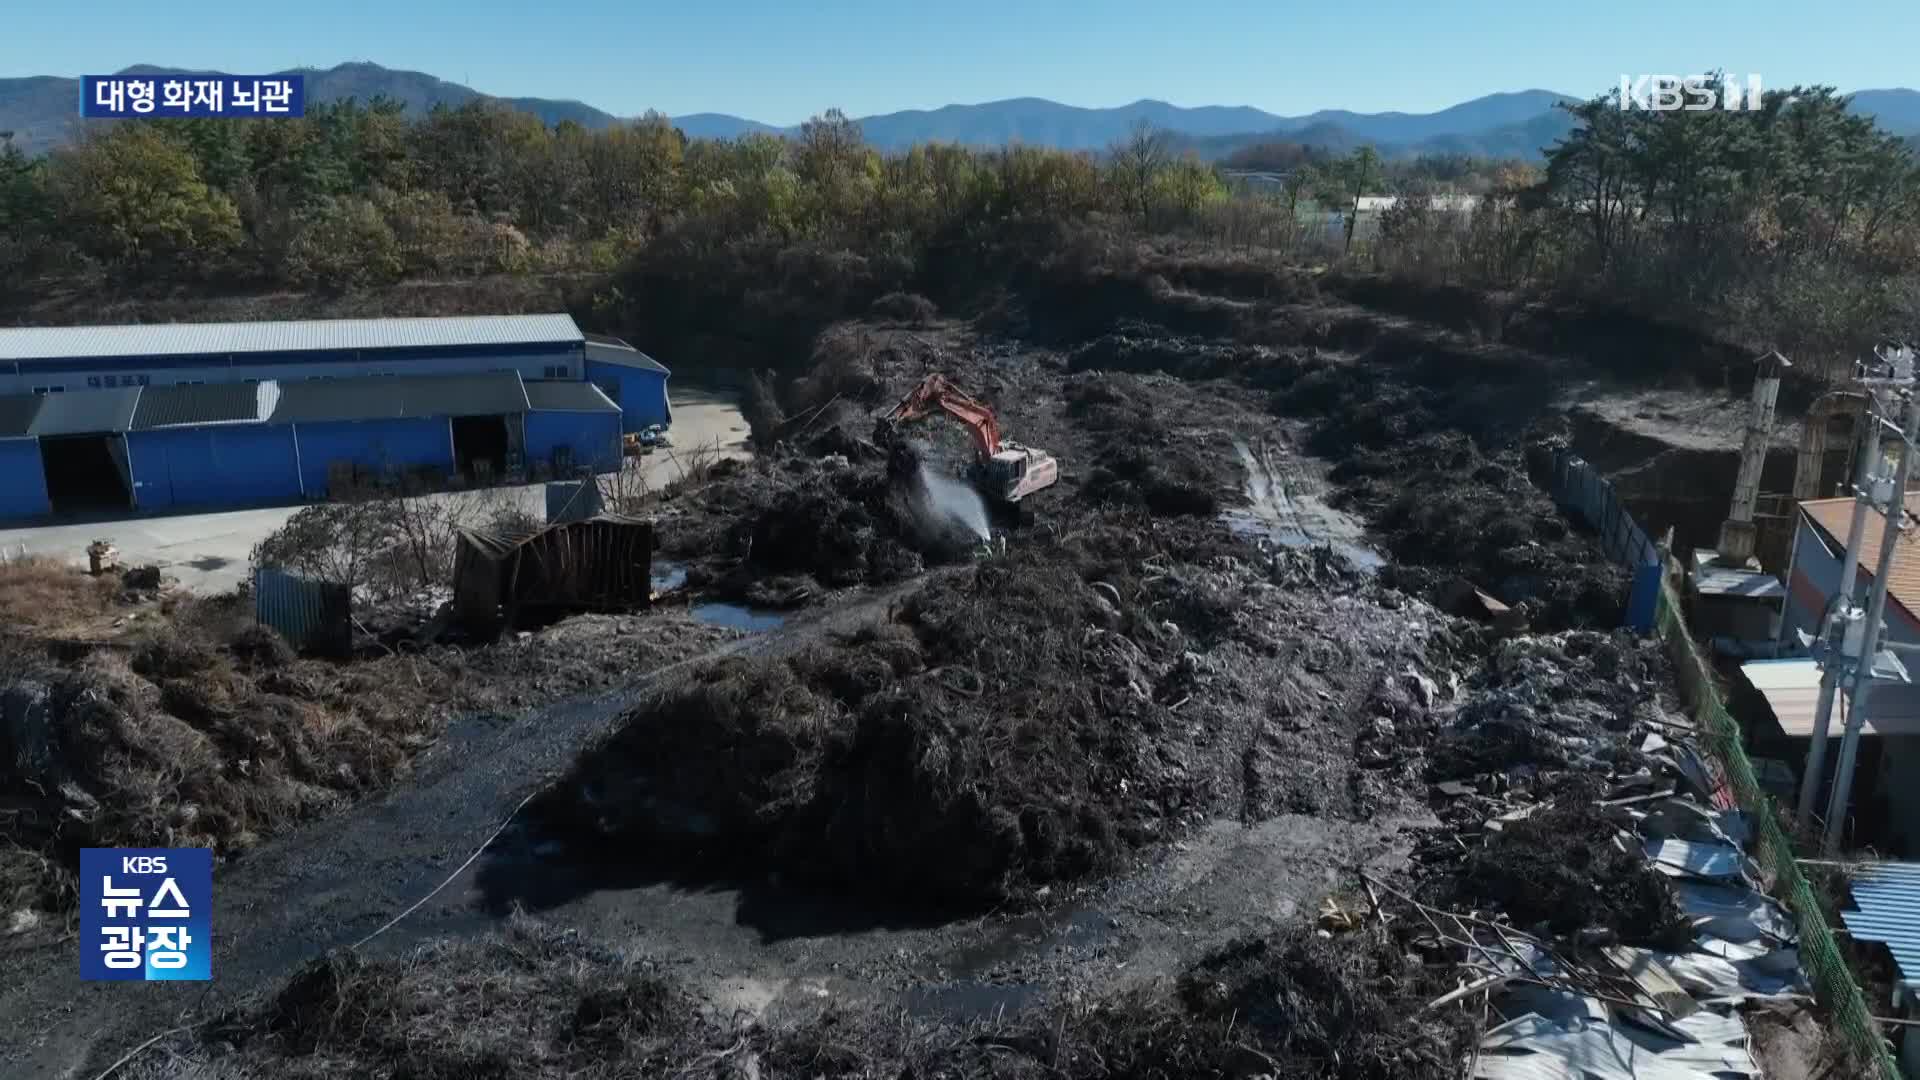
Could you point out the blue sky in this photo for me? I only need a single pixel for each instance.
(780, 61)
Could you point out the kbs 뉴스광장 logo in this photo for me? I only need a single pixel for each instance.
(146, 914)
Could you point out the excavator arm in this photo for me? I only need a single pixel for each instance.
(935, 392)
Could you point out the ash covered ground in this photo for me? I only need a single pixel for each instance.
(1066, 808)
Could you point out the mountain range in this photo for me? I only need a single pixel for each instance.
(40, 111)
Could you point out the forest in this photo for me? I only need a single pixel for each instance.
(1795, 226)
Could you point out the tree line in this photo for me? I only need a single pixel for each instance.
(1797, 222)
(354, 195)
(1794, 226)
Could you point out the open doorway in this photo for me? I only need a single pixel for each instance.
(86, 473)
(480, 445)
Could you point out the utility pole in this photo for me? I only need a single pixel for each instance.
(1895, 510)
(1814, 775)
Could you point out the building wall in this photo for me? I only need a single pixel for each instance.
(1900, 783)
(532, 362)
(213, 465)
(641, 394)
(1812, 580)
(371, 444)
(592, 437)
(1814, 577)
(23, 479)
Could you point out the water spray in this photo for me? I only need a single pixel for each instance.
(958, 502)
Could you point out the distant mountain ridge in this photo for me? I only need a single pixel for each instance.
(1040, 122)
(40, 110)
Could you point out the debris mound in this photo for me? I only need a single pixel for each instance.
(1446, 508)
(921, 756)
(837, 521)
(1141, 349)
(1154, 479)
(1349, 1007)
(1564, 867)
(1552, 702)
(537, 1001)
(1141, 464)
(531, 1001)
(180, 742)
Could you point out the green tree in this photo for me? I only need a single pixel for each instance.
(135, 198)
(343, 242)
(22, 196)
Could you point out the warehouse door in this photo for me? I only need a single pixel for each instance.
(480, 445)
(86, 473)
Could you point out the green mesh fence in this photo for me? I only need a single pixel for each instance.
(1851, 1024)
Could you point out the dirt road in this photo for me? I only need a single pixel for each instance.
(1276, 511)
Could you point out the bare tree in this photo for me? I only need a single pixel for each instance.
(1137, 162)
(337, 542)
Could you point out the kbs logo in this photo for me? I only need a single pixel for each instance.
(145, 913)
(1689, 93)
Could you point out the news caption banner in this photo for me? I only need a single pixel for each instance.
(146, 914)
(123, 97)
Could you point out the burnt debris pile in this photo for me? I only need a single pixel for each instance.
(830, 518)
(927, 755)
(1550, 738)
(534, 1000)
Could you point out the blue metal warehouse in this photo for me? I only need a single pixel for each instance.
(203, 416)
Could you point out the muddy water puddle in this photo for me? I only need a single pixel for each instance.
(1278, 513)
(668, 576)
(738, 616)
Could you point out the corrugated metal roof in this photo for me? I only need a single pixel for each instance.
(1726, 581)
(221, 403)
(568, 396)
(84, 412)
(1835, 518)
(393, 397)
(625, 355)
(192, 339)
(1792, 690)
(16, 414)
(1710, 860)
(1888, 896)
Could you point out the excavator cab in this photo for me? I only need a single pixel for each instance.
(1016, 472)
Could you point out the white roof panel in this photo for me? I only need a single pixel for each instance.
(194, 339)
(1792, 690)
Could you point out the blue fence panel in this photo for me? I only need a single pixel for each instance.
(314, 616)
(1580, 490)
(572, 500)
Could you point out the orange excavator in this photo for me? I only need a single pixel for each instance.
(1005, 471)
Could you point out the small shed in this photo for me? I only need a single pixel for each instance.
(602, 563)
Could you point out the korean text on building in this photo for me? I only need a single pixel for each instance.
(145, 913)
(119, 97)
